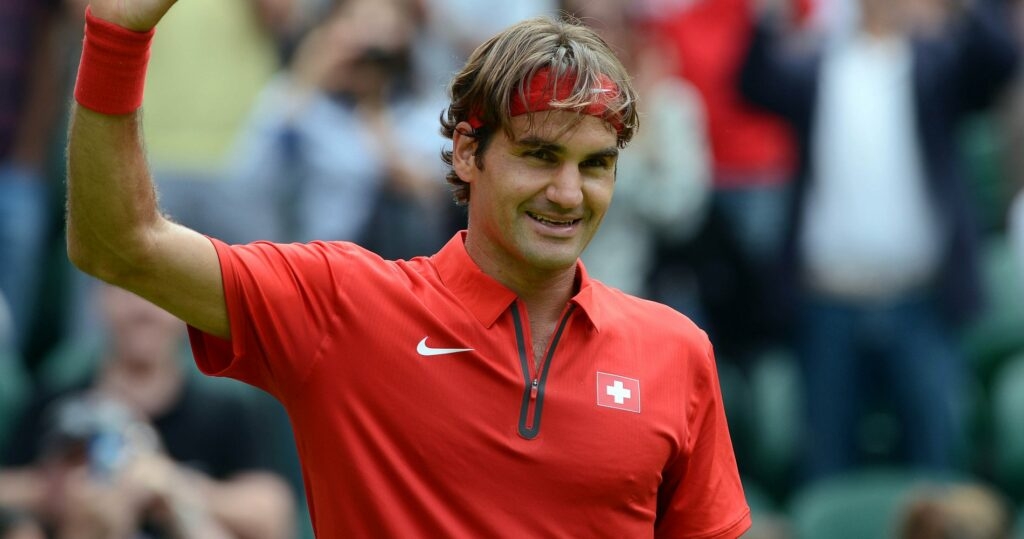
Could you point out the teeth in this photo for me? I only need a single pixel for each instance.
(544, 220)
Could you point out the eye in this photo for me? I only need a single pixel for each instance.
(541, 154)
(599, 162)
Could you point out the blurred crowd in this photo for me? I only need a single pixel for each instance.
(833, 189)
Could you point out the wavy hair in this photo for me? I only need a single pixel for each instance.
(501, 67)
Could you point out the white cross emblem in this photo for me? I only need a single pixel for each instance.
(618, 392)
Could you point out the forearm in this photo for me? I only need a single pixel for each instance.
(255, 505)
(23, 489)
(112, 208)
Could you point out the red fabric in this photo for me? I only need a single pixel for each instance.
(711, 37)
(542, 92)
(112, 72)
(395, 442)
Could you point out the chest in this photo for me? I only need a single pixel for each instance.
(578, 412)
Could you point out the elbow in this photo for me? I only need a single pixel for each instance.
(86, 261)
(86, 255)
(79, 253)
(111, 260)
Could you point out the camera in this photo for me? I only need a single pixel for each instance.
(98, 431)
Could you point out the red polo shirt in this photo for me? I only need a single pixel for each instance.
(418, 411)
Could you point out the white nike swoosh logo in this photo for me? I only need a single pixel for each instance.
(425, 350)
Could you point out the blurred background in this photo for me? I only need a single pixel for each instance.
(831, 188)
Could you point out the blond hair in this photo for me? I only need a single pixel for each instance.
(499, 70)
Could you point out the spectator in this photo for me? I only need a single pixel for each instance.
(200, 93)
(29, 107)
(752, 164)
(1014, 133)
(663, 182)
(143, 445)
(880, 243)
(965, 511)
(453, 28)
(350, 131)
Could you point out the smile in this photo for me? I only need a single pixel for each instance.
(553, 222)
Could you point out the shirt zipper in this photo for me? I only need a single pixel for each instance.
(534, 379)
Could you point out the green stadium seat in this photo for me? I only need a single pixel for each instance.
(736, 399)
(67, 365)
(865, 504)
(757, 497)
(982, 148)
(1008, 425)
(15, 391)
(999, 332)
(777, 418)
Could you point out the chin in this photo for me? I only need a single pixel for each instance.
(553, 260)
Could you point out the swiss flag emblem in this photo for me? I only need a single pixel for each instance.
(615, 391)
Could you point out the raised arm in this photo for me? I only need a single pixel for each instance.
(115, 230)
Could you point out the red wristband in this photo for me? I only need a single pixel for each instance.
(112, 72)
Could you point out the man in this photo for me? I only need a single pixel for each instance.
(493, 389)
(30, 84)
(143, 445)
(881, 249)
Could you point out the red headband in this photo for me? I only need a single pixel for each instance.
(540, 95)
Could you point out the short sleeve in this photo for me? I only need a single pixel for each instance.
(701, 496)
(281, 300)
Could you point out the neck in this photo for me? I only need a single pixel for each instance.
(880, 25)
(544, 292)
(547, 300)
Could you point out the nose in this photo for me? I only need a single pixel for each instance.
(566, 187)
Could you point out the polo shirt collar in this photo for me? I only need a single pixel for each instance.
(485, 297)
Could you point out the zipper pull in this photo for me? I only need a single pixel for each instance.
(534, 388)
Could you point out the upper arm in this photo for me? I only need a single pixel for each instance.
(988, 57)
(115, 230)
(776, 76)
(181, 273)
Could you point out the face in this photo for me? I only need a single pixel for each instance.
(540, 195)
(365, 41)
(144, 369)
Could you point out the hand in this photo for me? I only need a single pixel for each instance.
(174, 497)
(324, 57)
(95, 510)
(137, 15)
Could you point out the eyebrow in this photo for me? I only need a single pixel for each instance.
(536, 142)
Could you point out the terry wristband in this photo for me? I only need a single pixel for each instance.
(112, 72)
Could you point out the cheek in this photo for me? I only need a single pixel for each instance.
(599, 194)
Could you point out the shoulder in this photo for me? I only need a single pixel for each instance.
(663, 343)
(648, 322)
(312, 255)
(330, 267)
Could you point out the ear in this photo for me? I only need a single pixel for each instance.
(464, 152)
